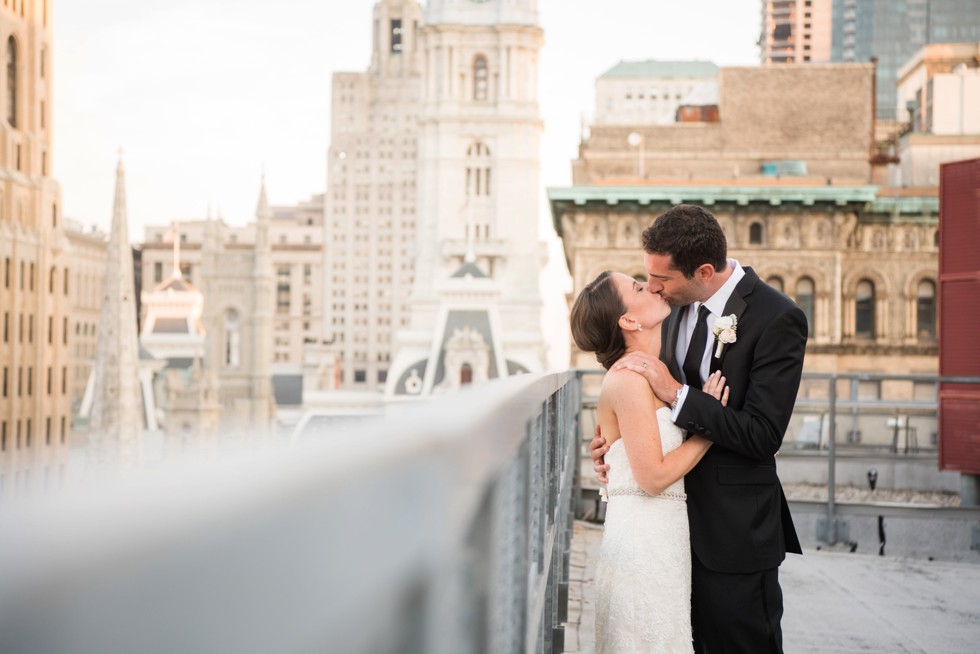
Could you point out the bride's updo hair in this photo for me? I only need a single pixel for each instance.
(595, 320)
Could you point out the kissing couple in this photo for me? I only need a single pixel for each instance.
(703, 364)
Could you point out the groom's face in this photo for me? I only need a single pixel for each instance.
(671, 283)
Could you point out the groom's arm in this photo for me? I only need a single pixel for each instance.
(756, 429)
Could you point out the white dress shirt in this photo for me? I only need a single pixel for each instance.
(716, 307)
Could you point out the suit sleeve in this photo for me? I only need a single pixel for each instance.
(756, 429)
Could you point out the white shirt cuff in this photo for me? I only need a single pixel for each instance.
(681, 396)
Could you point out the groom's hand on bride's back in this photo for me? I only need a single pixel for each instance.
(597, 450)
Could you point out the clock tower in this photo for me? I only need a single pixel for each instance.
(476, 300)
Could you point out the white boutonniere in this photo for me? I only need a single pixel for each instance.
(724, 331)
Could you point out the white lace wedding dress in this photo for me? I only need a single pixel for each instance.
(643, 575)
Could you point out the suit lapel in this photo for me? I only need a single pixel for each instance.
(736, 305)
(669, 334)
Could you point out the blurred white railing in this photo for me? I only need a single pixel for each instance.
(443, 527)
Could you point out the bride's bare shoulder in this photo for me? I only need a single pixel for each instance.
(616, 383)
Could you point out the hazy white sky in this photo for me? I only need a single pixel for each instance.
(201, 94)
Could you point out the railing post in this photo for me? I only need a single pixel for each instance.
(829, 532)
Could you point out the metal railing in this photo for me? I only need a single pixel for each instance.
(887, 417)
(898, 413)
(443, 527)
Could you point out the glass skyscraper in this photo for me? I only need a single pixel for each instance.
(894, 30)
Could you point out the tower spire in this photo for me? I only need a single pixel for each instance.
(117, 421)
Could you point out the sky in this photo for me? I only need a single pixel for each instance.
(202, 96)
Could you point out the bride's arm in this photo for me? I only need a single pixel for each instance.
(635, 406)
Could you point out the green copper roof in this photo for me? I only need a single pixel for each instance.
(709, 194)
(653, 68)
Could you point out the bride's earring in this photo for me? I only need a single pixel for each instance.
(639, 327)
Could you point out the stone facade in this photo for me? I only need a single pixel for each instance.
(35, 274)
(296, 235)
(650, 92)
(818, 114)
(88, 259)
(861, 260)
(475, 300)
(371, 198)
(821, 250)
(258, 286)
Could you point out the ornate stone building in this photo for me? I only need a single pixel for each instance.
(475, 301)
(862, 265)
(236, 313)
(786, 169)
(35, 341)
(371, 198)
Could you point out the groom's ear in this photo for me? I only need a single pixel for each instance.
(705, 272)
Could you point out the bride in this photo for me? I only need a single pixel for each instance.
(643, 576)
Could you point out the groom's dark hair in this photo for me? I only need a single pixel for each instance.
(691, 236)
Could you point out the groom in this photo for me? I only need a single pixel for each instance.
(741, 528)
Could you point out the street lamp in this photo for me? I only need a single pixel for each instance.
(635, 139)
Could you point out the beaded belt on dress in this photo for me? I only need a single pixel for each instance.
(667, 495)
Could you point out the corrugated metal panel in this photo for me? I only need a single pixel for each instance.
(959, 315)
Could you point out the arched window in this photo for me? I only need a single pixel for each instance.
(935, 238)
(12, 82)
(755, 234)
(864, 309)
(478, 170)
(925, 314)
(466, 374)
(232, 339)
(480, 75)
(804, 298)
(51, 280)
(776, 283)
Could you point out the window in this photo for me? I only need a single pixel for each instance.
(282, 288)
(6, 326)
(51, 280)
(158, 272)
(360, 376)
(232, 339)
(776, 283)
(925, 313)
(755, 234)
(65, 282)
(466, 375)
(12, 82)
(396, 36)
(478, 170)
(480, 74)
(864, 309)
(804, 298)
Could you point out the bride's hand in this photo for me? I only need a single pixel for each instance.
(715, 387)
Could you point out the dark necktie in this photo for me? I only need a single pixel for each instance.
(695, 351)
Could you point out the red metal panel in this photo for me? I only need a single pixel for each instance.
(959, 315)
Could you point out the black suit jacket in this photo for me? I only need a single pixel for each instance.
(740, 521)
